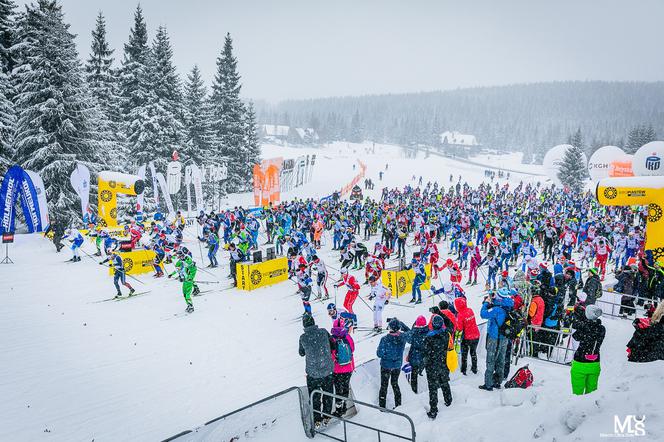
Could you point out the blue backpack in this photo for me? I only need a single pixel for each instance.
(344, 353)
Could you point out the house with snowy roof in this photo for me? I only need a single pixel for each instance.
(458, 144)
(281, 134)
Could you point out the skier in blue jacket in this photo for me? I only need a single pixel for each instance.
(76, 242)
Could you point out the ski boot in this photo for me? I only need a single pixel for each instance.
(132, 291)
(196, 291)
(118, 295)
(190, 308)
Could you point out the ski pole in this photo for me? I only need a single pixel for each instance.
(207, 282)
(365, 302)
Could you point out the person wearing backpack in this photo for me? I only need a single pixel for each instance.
(495, 309)
(590, 333)
(470, 334)
(415, 337)
(344, 364)
(316, 346)
(436, 346)
(390, 352)
(552, 314)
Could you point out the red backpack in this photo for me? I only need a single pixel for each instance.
(523, 378)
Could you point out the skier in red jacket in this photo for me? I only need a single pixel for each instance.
(453, 268)
(353, 289)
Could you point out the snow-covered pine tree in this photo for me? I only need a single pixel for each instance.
(7, 115)
(6, 33)
(252, 144)
(573, 170)
(228, 113)
(104, 86)
(356, 129)
(634, 139)
(167, 89)
(55, 111)
(134, 88)
(7, 121)
(154, 100)
(199, 139)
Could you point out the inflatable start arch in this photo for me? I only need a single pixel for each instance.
(109, 185)
(639, 191)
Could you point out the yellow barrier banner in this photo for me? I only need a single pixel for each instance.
(251, 276)
(641, 191)
(400, 282)
(137, 262)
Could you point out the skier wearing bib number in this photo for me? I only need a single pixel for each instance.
(188, 285)
(119, 275)
(353, 289)
(381, 296)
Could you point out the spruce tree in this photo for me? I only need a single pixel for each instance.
(199, 138)
(356, 130)
(7, 115)
(7, 121)
(573, 170)
(634, 139)
(103, 84)
(6, 34)
(252, 145)
(229, 124)
(55, 111)
(134, 88)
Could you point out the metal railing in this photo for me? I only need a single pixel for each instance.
(347, 422)
(302, 398)
(603, 300)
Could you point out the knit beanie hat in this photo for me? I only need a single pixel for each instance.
(394, 325)
(593, 312)
(308, 320)
(437, 322)
(421, 321)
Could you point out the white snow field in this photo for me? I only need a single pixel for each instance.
(74, 369)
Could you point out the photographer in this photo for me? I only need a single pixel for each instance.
(494, 309)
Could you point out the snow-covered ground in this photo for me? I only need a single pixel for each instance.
(74, 369)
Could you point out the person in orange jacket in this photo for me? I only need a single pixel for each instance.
(535, 318)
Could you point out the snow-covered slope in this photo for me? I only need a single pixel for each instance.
(74, 369)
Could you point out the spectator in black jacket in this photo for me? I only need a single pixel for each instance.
(570, 287)
(436, 346)
(593, 287)
(316, 346)
(647, 343)
(416, 355)
(590, 332)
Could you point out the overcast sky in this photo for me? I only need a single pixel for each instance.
(315, 48)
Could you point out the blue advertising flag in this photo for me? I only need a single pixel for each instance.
(8, 194)
(30, 204)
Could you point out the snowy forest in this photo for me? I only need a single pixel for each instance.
(118, 109)
(530, 118)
